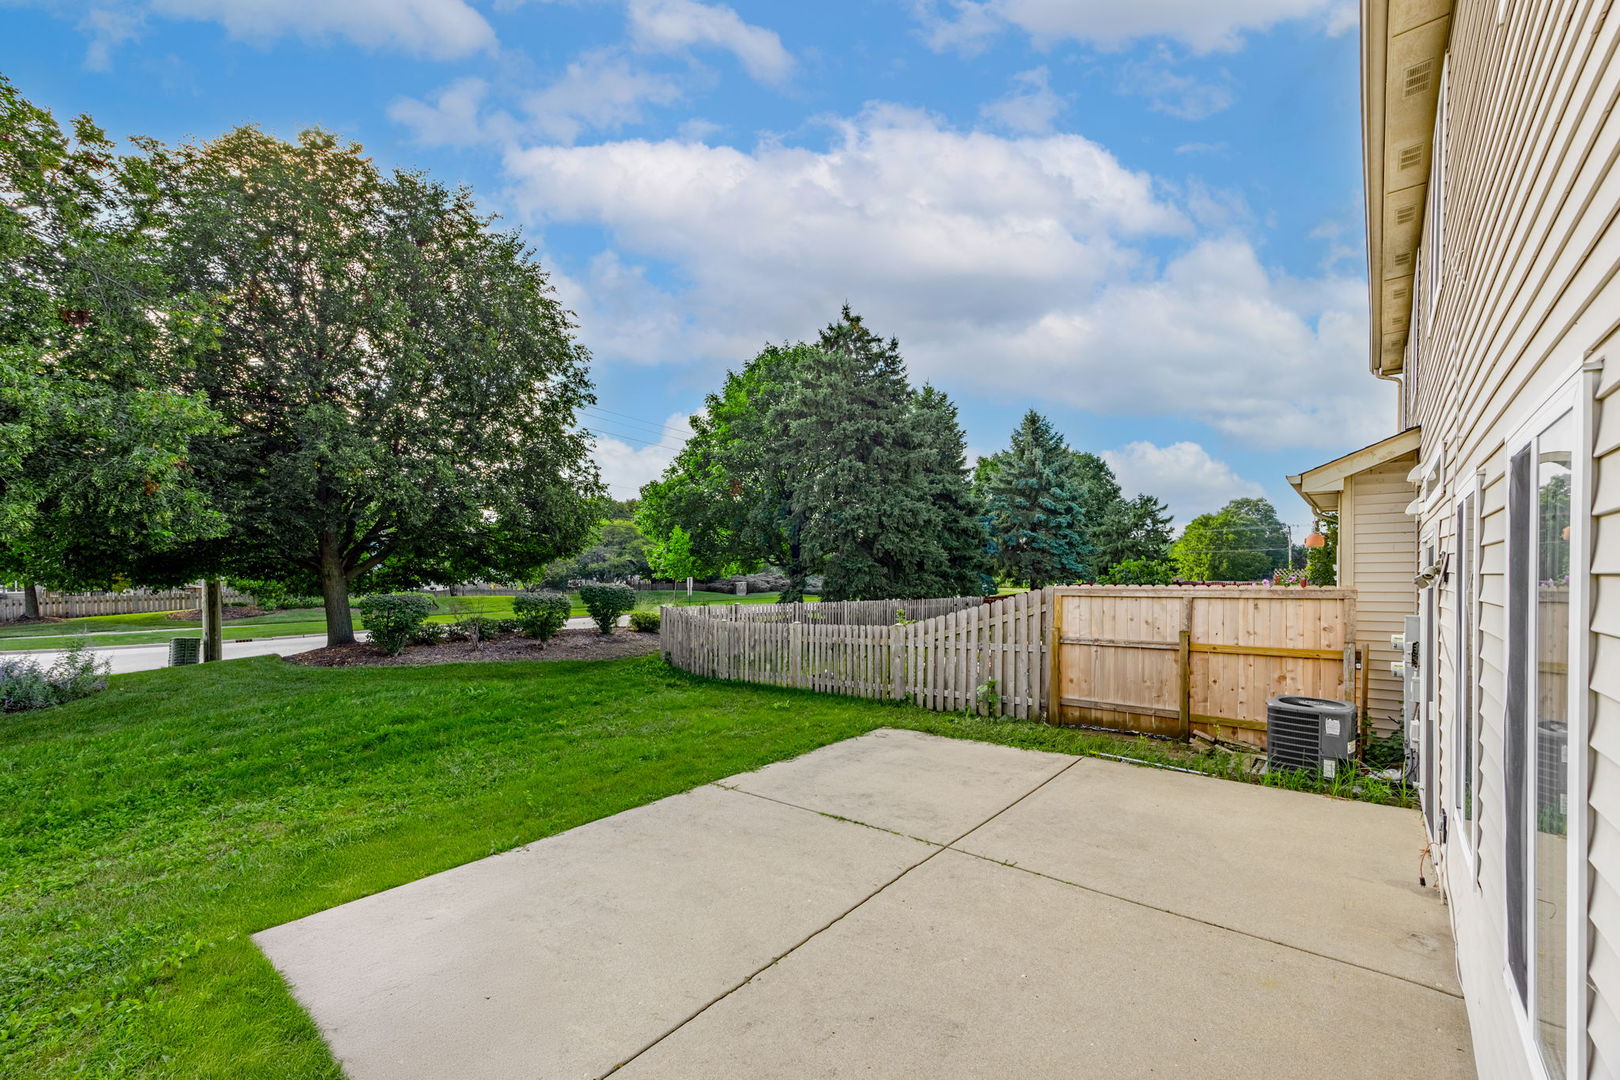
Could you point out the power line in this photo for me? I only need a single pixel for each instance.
(638, 439)
(638, 421)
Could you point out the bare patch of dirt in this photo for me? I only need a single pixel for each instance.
(234, 611)
(569, 644)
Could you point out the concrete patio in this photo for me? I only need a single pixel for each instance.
(905, 905)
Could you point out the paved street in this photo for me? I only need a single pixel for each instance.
(127, 658)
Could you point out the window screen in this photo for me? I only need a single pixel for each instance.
(1521, 580)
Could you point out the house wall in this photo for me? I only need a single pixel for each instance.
(1377, 558)
(1528, 247)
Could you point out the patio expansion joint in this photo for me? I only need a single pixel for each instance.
(937, 848)
(833, 817)
(1204, 922)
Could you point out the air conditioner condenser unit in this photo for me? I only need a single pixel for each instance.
(1315, 734)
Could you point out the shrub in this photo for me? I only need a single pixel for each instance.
(481, 628)
(1140, 572)
(541, 614)
(606, 602)
(429, 633)
(646, 621)
(25, 685)
(393, 617)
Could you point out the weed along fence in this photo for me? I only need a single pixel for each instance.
(1171, 661)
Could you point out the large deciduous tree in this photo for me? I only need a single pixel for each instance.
(1243, 541)
(94, 470)
(399, 381)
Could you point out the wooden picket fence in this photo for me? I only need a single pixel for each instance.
(1172, 661)
(130, 602)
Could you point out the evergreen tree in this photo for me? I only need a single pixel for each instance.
(821, 459)
(851, 440)
(964, 563)
(1034, 508)
(1132, 530)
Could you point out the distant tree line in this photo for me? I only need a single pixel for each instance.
(822, 459)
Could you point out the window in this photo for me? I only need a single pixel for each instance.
(1465, 719)
(1513, 771)
(1541, 638)
(1549, 688)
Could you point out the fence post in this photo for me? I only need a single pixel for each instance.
(1184, 663)
(796, 654)
(897, 662)
(1054, 662)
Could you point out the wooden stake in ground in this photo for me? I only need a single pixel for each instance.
(213, 620)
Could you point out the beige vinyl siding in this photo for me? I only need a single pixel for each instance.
(1603, 914)
(1377, 557)
(1528, 291)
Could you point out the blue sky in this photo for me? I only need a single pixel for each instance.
(1143, 219)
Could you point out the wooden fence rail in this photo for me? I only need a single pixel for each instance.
(1171, 661)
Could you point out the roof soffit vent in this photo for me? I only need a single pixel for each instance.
(1411, 156)
(1417, 79)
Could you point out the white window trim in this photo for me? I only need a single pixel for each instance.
(1463, 727)
(1576, 394)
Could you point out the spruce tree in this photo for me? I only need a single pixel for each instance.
(962, 566)
(860, 465)
(1035, 512)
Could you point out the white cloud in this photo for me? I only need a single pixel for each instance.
(1031, 107)
(667, 26)
(109, 28)
(630, 462)
(1009, 267)
(600, 90)
(1202, 25)
(438, 29)
(1182, 474)
(1186, 97)
(455, 117)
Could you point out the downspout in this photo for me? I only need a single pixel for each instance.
(1400, 399)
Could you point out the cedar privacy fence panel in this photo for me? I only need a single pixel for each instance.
(132, 602)
(1172, 661)
(1180, 661)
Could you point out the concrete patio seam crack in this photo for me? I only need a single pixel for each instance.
(825, 814)
(1206, 922)
(834, 921)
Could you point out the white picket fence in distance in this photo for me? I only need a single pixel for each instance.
(128, 602)
(938, 653)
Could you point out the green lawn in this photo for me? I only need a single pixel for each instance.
(147, 831)
(156, 628)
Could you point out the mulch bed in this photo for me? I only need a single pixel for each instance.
(567, 645)
(234, 611)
